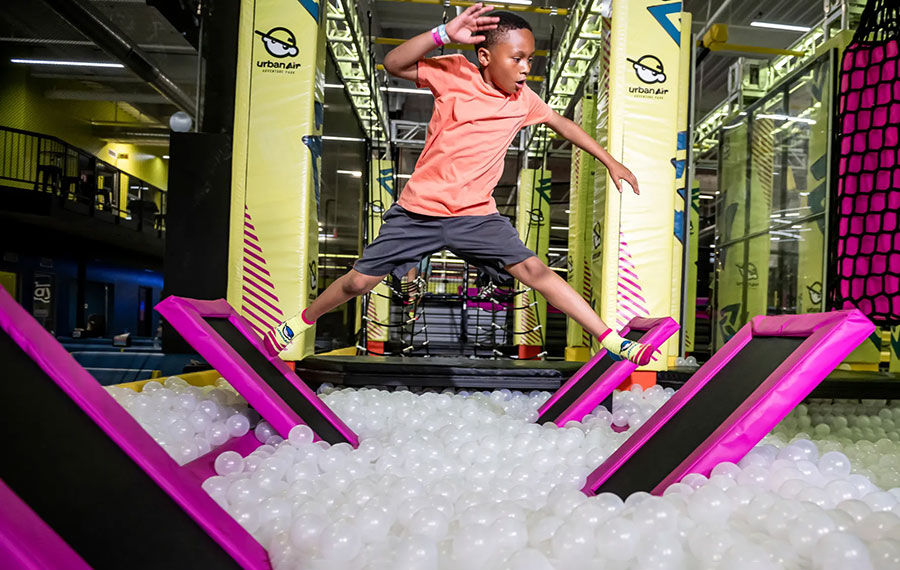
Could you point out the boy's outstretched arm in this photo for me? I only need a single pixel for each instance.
(575, 134)
(463, 29)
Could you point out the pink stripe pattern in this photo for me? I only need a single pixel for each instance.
(263, 314)
(630, 302)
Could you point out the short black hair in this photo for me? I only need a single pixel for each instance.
(508, 21)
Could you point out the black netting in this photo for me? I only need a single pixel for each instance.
(866, 231)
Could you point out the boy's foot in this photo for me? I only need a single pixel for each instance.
(280, 337)
(640, 354)
(623, 349)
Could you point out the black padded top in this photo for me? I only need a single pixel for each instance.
(276, 380)
(585, 382)
(73, 476)
(700, 416)
(441, 365)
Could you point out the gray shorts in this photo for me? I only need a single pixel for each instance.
(405, 237)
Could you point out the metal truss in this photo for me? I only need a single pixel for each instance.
(408, 133)
(840, 15)
(347, 44)
(411, 134)
(580, 45)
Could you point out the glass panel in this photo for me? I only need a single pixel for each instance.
(767, 140)
(730, 218)
(795, 268)
(784, 153)
(742, 285)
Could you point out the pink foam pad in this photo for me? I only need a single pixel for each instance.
(228, 343)
(27, 542)
(733, 400)
(85, 467)
(599, 376)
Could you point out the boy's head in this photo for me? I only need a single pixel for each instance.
(506, 53)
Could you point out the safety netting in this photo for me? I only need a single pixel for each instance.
(866, 229)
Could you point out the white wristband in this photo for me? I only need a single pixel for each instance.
(440, 35)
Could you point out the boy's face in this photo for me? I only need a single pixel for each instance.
(508, 62)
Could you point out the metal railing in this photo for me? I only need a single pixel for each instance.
(79, 180)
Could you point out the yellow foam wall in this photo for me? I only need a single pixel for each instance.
(643, 91)
(581, 217)
(533, 225)
(273, 253)
(690, 317)
(599, 223)
(681, 179)
(381, 197)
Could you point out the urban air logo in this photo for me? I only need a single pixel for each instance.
(815, 293)
(313, 278)
(280, 43)
(749, 273)
(649, 69)
(597, 233)
(536, 216)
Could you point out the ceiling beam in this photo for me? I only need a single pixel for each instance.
(506, 7)
(87, 19)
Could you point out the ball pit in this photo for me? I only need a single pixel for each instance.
(465, 480)
(187, 421)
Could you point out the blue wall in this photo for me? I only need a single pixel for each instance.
(124, 281)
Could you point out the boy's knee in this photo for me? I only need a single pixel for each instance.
(360, 284)
(530, 269)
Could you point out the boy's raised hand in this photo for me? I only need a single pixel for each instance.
(464, 28)
(619, 172)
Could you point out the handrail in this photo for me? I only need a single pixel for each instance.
(48, 164)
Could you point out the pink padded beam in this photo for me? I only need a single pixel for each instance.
(272, 388)
(27, 543)
(819, 343)
(599, 376)
(18, 329)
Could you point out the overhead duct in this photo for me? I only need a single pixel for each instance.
(85, 18)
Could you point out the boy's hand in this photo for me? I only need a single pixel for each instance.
(619, 172)
(463, 28)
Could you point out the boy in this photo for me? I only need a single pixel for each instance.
(447, 202)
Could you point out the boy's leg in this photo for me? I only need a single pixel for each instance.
(351, 284)
(535, 274)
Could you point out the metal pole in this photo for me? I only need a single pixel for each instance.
(712, 18)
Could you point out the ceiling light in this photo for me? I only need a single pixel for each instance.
(353, 173)
(557, 249)
(165, 157)
(333, 86)
(775, 26)
(504, 2)
(407, 90)
(68, 63)
(404, 176)
(559, 227)
(780, 117)
(349, 139)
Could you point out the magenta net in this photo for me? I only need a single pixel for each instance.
(867, 228)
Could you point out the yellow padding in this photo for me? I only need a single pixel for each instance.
(205, 378)
(578, 354)
(346, 351)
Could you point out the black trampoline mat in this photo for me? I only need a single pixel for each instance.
(700, 416)
(441, 366)
(75, 478)
(583, 383)
(291, 396)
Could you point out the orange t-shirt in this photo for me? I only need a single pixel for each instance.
(471, 128)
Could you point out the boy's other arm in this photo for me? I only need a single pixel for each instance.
(575, 134)
(402, 61)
